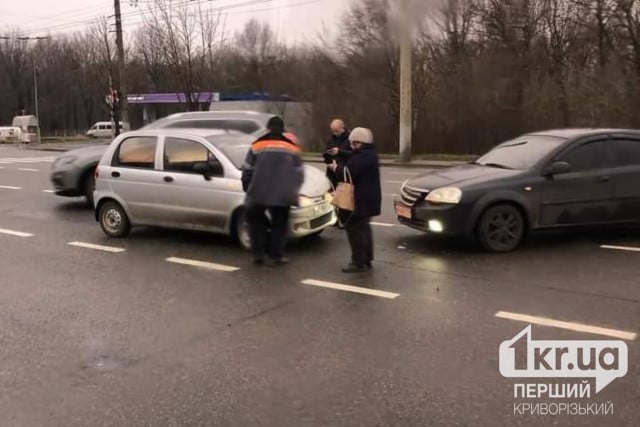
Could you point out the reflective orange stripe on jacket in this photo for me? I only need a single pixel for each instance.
(274, 145)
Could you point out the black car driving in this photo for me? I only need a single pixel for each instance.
(548, 179)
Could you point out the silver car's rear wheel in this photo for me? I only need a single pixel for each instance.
(113, 220)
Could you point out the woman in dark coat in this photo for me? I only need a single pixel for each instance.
(364, 168)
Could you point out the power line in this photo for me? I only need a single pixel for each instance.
(265, 9)
(92, 19)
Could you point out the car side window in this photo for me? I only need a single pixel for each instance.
(136, 152)
(588, 156)
(182, 155)
(626, 152)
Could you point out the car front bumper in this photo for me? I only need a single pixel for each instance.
(311, 219)
(65, 181)
(434, 219)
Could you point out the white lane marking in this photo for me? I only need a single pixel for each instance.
(8, 187)
(29, 170)
(6, 160)
(48, 191)
(405, 173)
(390, 195)
(1, 167)
(111, 249)
(572, 326)
(15, 233)
(202, 264)
(394, 182)
(621, 248)
(349, 288)
(382, 224)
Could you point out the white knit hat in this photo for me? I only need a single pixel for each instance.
(363, 135)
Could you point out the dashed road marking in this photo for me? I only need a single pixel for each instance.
(9, 160)
(9, 187)
(15, 233)
(48, 191)
(383, 224)
(571, 326)
(111, 249)
(621, 248)
(202, 264)
(28, 170)
(350, 288)
(394, 182)
(404, 173)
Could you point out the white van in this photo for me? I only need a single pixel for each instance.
(105, 129)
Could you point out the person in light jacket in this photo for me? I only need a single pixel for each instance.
(364, 167)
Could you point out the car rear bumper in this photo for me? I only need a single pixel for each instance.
(436, 219)
(312, 219)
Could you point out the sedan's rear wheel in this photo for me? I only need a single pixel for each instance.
(501, 228)
(113, 220)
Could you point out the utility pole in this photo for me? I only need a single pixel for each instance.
(406, 116)
(121, 89)
(35, 90)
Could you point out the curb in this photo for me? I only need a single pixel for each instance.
(433, 164)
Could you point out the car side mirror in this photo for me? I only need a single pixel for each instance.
(557, 168)
(208, 169)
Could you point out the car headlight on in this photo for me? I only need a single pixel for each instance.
(445, 195)
(304, 201)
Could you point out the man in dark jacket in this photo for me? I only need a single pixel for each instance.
(338, 148)
(364, 168)
(272, 175)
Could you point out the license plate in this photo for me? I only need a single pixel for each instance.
(403, 211)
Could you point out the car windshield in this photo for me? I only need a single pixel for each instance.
(235, 153)
(521, 153)
(234, 147)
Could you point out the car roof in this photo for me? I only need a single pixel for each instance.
(215, 114)
(203, 133)
(572, 133)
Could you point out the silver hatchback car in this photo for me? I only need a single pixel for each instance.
(191, 179)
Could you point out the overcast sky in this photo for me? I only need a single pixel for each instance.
(295, 20)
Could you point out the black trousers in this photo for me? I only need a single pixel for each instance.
(261, 240)
(361, 240)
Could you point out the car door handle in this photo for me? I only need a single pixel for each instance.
(115, 174)
(168, 179)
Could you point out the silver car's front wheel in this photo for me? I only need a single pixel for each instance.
(113, 220)
(242, 231)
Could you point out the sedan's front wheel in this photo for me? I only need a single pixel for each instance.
(113, 220)
(501, 228)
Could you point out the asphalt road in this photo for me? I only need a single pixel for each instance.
(91, 337)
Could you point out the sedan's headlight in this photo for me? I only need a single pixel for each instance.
(304, 201)
(447, 195)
